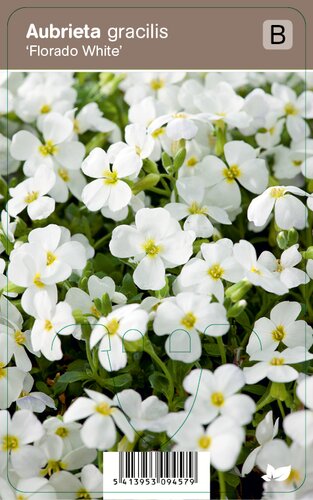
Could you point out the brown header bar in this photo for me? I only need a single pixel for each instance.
(158, 35)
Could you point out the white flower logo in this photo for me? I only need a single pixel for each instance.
(280, 474)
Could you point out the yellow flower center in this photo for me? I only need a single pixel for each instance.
(277, 192)
(216, 272)
(45, 109)
(195, 208)
(204, 442)
(63, 173)
(110, 177)
(2, 371)
(179, 115)
(192, 161)
(217, 399)
(158, 132)
(52, 467)
(82, 494)
(189, 320)
(297, 163)
(19, 337)
(9, 443)
(37, 281)
(277, 361)
(21, 497)
(294, 476)
(50, 258)
(32, 196)
(279, 267)
(112, 326)
(151, 249)
(95, 312)
(76, 126)
(48, 148)
(48, 325)
(231, 173)
(255, 270)
(62, 432)
(104, 409)
(157, 83)
(279, 333)
(290, 109)
(138, 150)
(271, 130)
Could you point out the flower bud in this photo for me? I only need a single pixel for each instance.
(236, 309)
(237, 291)
(147, 182)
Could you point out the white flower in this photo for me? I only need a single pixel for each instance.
(35, 485)
(275, 365)
(281, 327)
(99, 429)
(288, 163)
(193, 206)
(36, 99)
(11, 378)
(51, 320)
(156, 242)
(47, 259)
(264, 433)
(87, 484)
(271, 135)
(206, 275)
(68, 179)
(149, 83)
(284, 268)
(295, 109)
(63, 253)
(125, 323)
(56, 129)
(19, 339)
(91, 118)
(215, 393)
(255, 271)
(69, 432)
(58, 457)
(16, 434)
(299, 425)
(178, 125)
(109, 189)
(288, 210)
(224, 105)
(31, 194)
(243, 167)
(223, 438)
(144, 415)
(137, 141)
(182, 318)
(34, 401)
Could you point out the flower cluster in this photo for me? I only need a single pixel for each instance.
(155, 277)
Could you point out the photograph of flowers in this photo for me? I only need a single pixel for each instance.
(156, 277)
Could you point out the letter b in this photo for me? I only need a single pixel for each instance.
(277, 34)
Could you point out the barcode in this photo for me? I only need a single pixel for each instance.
(158, 465)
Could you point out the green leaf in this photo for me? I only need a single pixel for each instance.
(166, 160)
(160, 383)
(231, 479)
(128, 287)
(179, 159)
(212, 349)
(119, 382)
(72, 376)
